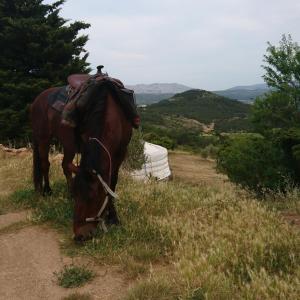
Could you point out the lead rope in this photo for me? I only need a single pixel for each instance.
(105, 187)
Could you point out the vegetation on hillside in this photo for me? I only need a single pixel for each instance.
(181, 121)
(38, 50)
(199, 105)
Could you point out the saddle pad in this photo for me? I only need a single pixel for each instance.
(58, 98)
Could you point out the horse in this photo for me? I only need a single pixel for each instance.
(103, 135)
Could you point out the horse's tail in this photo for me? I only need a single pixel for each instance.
(37, 170)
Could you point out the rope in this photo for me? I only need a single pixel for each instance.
(108, 154)
(105, 186)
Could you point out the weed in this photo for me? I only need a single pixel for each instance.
(74, 276)
(149, 290)
(78, 296)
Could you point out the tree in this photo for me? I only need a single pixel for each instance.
(283, 67)
(275, 110)
(277, 115)
(38, 50)
(261, 163)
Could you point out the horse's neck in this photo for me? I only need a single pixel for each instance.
(114, 125)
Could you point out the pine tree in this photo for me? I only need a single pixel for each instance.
(38, 49)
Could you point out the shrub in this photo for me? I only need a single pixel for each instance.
(209, 151)
(254, 163)
(135, 155)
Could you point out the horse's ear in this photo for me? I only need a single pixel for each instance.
(73, 168)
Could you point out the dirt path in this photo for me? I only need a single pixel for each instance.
(12, 218)
(29, 258)
(194, 169)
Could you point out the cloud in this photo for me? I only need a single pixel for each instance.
(207, 44)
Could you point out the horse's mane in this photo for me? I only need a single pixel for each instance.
(91, 121)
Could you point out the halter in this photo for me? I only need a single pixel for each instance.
(106, 188)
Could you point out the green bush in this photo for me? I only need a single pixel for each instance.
(254, 162)
(135, 152)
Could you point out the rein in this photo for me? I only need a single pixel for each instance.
(106, 188)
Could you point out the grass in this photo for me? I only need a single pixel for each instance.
(185, 241)
(74, 276)
(78, 296)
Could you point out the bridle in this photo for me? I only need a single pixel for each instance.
(107, 189)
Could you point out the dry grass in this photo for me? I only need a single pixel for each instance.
(188, 241)
(15, 171)
(194, 169)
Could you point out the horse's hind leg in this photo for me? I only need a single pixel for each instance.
(37, 172)
(45, 165)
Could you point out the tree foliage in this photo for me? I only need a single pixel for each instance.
(38, 50)
(283, 67)
(276, 116)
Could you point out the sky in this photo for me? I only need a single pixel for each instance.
(212, 44)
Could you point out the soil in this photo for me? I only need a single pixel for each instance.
(194, 169)
(12, 218)
(30, 257)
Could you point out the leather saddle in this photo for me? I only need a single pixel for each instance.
(76, 80)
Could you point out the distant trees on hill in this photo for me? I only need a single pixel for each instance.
(38, 50)
(276, 117)
(178, 121)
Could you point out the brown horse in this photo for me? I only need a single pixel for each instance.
(104, 133)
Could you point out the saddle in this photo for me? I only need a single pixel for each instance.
(76, 80)
(79, 83)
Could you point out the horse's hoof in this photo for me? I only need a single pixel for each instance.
(113, 221)
(79, 239)
(47, 192)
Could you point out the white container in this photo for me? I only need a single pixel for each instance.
(156, 165)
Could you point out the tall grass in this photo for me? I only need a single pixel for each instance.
(187, 242)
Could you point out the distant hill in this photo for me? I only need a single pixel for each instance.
(155, 92)
(199, 106)
(245, 92)
(147, 99)
(159, 88)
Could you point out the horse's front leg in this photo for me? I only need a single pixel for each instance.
(67, 164)
(45, 165)
(67, 138)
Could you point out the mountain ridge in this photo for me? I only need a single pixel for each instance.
(155, 92)
(159, 88)
(200, 105)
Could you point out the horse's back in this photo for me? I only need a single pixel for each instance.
(39, 110)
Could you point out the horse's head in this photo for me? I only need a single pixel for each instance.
(90, 199)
